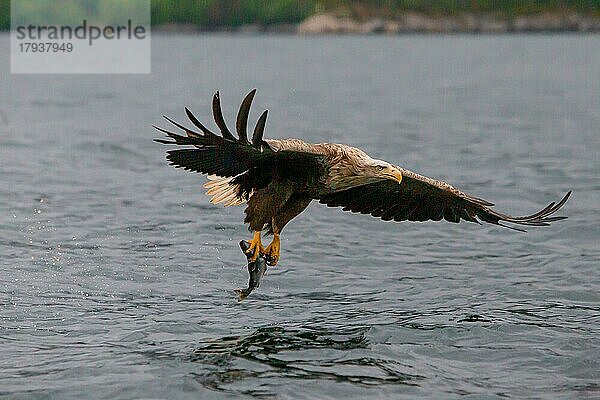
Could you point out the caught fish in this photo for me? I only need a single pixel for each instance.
(256, 269)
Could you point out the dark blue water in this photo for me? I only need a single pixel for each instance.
(117, 274)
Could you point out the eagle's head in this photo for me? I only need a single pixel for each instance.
(357, 168)
(379, 169)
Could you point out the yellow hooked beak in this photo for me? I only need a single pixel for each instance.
(395, 174)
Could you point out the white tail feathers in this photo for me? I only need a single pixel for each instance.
(221, 190)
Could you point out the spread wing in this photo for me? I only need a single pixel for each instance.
(252, 162)
(213, 154)
(419, 198)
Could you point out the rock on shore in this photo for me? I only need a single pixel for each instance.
(412, 22)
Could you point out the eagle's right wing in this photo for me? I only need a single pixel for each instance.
(225, 155)
(252, 164)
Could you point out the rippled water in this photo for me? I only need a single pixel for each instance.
(117, 273)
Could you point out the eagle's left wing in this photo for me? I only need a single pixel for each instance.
(419, 198)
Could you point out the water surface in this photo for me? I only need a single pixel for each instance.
(117, 274)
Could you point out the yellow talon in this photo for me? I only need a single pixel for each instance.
(256, 246)
(273, 250)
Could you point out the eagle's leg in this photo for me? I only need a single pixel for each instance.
(272, 250)
(293, 206)
(256, 246)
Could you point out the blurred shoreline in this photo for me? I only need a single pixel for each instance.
(343, 16)
(410, 23)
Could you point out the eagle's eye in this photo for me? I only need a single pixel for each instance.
(380, 167)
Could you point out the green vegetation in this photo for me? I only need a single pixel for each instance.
(209, 14)
(4, 15)
(215, 13)
(507, 8)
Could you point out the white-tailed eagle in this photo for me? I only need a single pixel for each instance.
(277, 179)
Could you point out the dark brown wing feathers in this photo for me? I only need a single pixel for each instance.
(219, 120)
(259, 130)
(213, 154)
(241, 123)
(418, 198)
(194, 120)
(255, 163)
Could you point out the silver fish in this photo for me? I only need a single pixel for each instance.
(256, 269)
